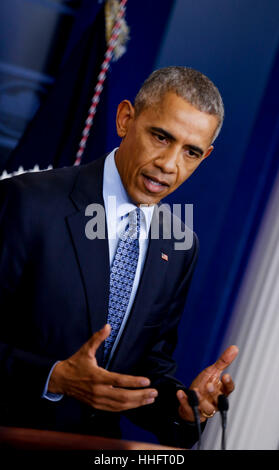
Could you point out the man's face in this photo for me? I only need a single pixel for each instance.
(161, 147)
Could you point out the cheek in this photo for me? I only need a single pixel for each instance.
(137, 153)
(131, 173)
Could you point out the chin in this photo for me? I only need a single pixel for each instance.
(139, 196)
(149, 201)
(145, 200)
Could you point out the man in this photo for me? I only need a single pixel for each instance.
(61, 368)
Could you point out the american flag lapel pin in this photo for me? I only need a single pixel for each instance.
(164, 256)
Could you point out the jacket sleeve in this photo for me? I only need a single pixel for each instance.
(22, 372)
(162, 417)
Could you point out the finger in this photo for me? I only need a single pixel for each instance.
(106, 404)
(133, 397)
(210, 395)
(124, 380)
(228, 384)
(96, 401)
(222, 363)
(114, 406)
(212, 391)
(97, 339)
(185, 410)
(226, 358)
(212, 373)
(122, 399)
(207, 407)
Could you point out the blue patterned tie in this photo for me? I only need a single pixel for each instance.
(122, 275)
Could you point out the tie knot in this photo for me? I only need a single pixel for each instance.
(134, 223)
(134, 216)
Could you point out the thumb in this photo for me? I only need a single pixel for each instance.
(97, 339)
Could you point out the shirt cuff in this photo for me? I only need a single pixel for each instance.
(48, 395)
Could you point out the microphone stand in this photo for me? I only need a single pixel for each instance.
(223, 405)
(194, 403)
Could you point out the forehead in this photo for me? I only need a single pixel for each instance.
(178, 117)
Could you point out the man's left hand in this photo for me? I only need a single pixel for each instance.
(208, 385)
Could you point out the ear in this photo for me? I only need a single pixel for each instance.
(125, 114)
(208, 152)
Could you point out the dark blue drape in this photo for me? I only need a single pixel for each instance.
(244, 213)
(53, 135)
(217, 283)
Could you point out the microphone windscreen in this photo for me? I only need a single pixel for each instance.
(223, 403)
(192, 398)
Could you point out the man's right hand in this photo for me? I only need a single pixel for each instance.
(80, 376)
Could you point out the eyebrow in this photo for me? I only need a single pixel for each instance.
(169, 136)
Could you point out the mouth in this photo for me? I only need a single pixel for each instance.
(153, 184)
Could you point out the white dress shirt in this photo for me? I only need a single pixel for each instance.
(117, 207)
(117, 213)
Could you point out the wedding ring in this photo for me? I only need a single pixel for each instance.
(206, 415)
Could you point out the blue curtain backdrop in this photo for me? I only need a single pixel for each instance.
(52, 129)
(236, 44)
(52, 136)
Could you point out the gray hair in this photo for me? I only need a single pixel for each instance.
(187, 83)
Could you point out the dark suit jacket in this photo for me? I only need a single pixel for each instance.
(54, 286)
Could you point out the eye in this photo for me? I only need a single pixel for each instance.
(160, 137)
(192, 153)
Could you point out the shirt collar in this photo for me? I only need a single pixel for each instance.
(113, 186)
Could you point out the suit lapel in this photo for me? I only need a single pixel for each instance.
(93, 259)
(92, 255)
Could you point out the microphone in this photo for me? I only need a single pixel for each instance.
(223, 406)
(194, 403)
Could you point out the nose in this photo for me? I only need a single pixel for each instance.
(167, 161)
